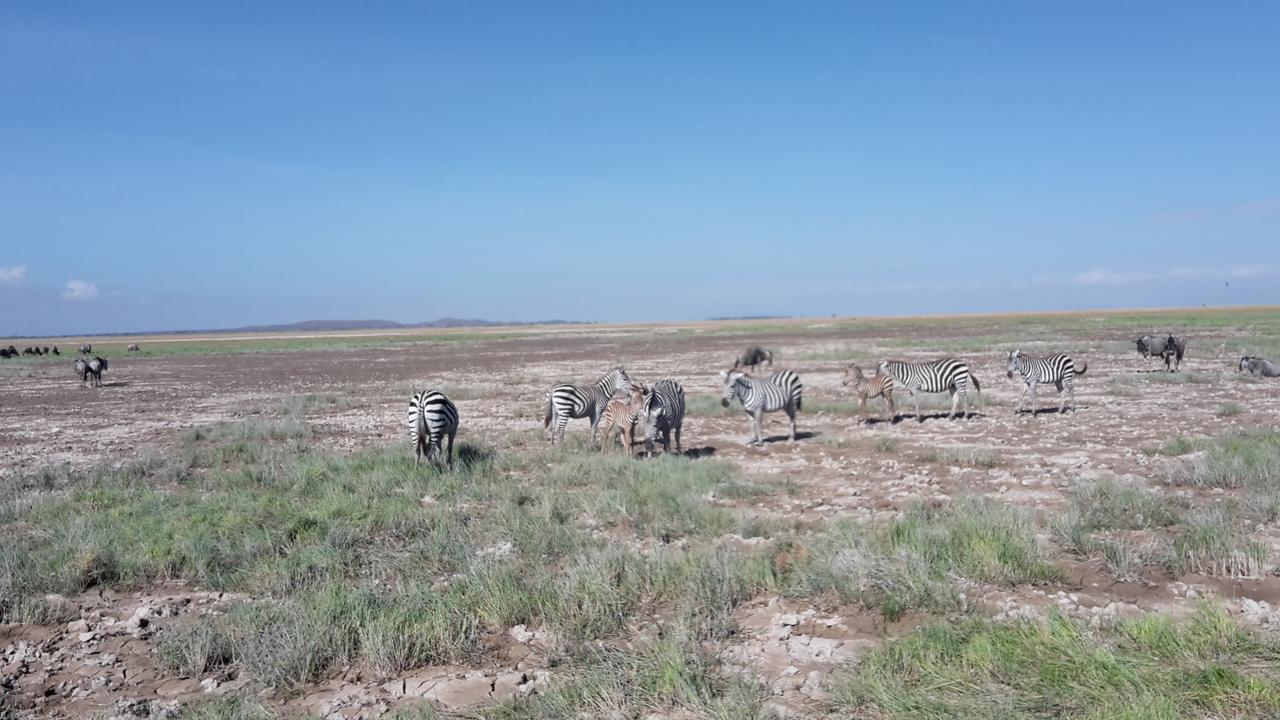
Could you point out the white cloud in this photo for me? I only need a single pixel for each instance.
(1102, 276)
(80, 290)
(13, 275)
(1251, 270)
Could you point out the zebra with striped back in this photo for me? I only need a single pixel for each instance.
(566, 401)
(946, 375)
(622, 415)
(662, 413)
(432, 417)
(1259, 367)
(781, 390)
(878, 385)
(1059, 369)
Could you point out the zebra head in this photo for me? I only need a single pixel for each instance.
(730, 379)
(852, 374)
(1013, 362)
(621, 383)
(651, 412)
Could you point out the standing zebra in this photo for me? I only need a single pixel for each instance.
(96, 367)
(82, 369)
(1057, 369)
(878, 385)
(622, 415)
(946, 375)
(431, 417)
(779, 391)
(565, 401)
(663, 412)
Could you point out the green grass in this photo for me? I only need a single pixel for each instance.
(1152, 667)
(920, 560)
(964, 456)
(706, 405)
(1230, 409)
(1248, 459)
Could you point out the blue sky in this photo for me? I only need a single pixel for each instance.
(169, 165)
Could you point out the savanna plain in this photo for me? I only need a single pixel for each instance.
(234, 527)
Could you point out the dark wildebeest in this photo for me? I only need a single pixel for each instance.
(1174, 349)
(96, 367)
(44, 350)
(55, 350)
(1258, 367)
(4, 352)
(86, 348)
(133, 347)
(753, 357)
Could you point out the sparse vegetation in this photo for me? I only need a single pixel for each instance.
(1151, 667)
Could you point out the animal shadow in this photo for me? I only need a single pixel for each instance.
(799, 436)
(699, 452)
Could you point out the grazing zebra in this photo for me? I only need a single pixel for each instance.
(779, 391)
(82, 369)
(565, 401)
(86, 349)
(431, 417)
(622, 415)
(1259, 367)
(1174, 349)
(946, 375)
(1057, 369)
(752, 357)
(96, 367)
(133, 347)
(878, 385)
(663, 413)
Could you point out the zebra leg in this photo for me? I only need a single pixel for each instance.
(916, 399)
(562, 422)
(678, 450)
(417, 450)
(791, 413)
(1063, 382)
(955, 403)
(888, 402)
(666, 441)
(451, 434)
(1022, 399)
(755, 427)
(862, 409)
(1034, 387)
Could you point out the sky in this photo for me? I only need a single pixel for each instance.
(204, 165)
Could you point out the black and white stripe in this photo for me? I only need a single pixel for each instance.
(432, 416)
(947, 375)
(1059, 369)
(567, 401)
(878, 385)
(663, 413)
(779, 391)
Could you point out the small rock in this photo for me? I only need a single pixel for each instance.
(789, 619)
(209, 685)
(520, 634)
(77, 626)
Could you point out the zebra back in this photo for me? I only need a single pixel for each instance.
(663, 408)
(933, 376)
(874, 386)
(431, 413)
(1045, 370)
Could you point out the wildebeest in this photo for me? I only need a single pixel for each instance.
(97, 366)
(1259, 367)
(4, 352)
(82, 369)
(44, 350)
(55, 350)
(28, 351)
(86, 348)
(752, 357)
(1174, 348)
(133, 347)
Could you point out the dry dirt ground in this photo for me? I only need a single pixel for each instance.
(841, 467)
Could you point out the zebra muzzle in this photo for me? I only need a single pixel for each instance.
(724, 403)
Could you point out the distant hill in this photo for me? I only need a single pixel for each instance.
(332, 325)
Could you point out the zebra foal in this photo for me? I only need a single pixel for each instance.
(878, 385)
(662, 413)
(432, 417)
(622, 415)
(779, 391)
(565, 401)
(946, 375)
(1059, 369)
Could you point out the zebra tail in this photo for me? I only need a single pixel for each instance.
(546, 420)
(976, 385)
(1082, 368)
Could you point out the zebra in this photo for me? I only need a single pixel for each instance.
(1259, 367)
(1059, 369)
(565, 401)
(663, 413)
(1174, 349)
(431, 417)
(82, 369)
(86, 349)
(753, 357)
(96, 367)
(878, 385)
(779, 391)
(945, 375)
(133, 347)
(622, 415)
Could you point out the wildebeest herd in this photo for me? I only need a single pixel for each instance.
(659, 410)
(12, 352)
